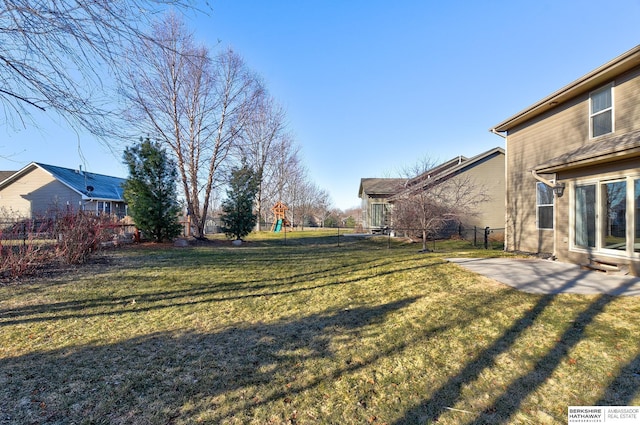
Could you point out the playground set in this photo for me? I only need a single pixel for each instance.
(280, 221)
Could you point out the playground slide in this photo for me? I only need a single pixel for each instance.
(278, 225)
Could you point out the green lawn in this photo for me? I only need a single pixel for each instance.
(305, 332)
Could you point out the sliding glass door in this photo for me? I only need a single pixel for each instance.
(585, 217)
(607, 216)
(614, 215)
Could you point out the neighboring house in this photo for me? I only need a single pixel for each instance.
(573, 170)
(38, 188)
(375, 193)
(486, 171)
(5, 175)
(484, 174)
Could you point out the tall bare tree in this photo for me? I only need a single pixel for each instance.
(196, 104)
(434, 198)
(262, 146)
(57, 55)
(280, 174)
(322, 205)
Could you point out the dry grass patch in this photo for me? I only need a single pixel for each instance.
(309, 332)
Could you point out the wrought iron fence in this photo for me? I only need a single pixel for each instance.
(44, 231)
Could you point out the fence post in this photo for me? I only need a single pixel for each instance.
(486, 237)
(475, 236)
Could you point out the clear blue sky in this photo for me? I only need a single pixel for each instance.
(371, 87)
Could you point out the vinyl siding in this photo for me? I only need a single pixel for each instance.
(562, 129)
(35, 193)
(489, 175)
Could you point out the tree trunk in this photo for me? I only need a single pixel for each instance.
(424, 240)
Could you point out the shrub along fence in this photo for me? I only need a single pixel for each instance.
(70, 237)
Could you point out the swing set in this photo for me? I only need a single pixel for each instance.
(280, 220)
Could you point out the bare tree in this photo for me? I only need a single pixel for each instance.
(58, 55)
(262, 143)
(294, 186)
(283, 172)
(434, 199)
(196, 104)
(322, 205)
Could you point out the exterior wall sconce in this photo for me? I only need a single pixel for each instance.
(558, 189)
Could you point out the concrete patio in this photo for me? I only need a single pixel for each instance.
(550, 277)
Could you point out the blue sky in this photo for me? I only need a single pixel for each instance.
(371, 87)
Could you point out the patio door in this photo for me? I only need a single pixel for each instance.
(613, 222)
(585, 217)
(606, 216)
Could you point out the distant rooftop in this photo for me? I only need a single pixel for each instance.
(92, 185)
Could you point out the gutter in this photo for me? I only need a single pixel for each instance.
(494, 131)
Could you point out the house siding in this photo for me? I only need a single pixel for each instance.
(489, 175)
(547, 136)
(35, 193)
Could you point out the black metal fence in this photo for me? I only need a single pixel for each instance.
(480, 237)
(44, 231)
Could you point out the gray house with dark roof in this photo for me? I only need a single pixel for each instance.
(486, 171)
(38, 188)
(376, 209)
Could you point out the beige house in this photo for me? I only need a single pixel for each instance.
(573, 170)
(38, 188)
(486, 171)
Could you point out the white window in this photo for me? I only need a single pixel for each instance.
(104, 207)
(544, 206)
(601, 111)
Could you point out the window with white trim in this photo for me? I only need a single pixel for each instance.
(544, 206)
(104, 207)
(601, 111)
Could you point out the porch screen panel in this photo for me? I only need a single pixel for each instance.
(636, 203)
(585, 216)
(377, 215)
(614, 220)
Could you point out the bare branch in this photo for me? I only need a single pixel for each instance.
(62, 55)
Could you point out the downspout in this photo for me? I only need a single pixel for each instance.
(541, 179)
(494, 131)
(506, 227)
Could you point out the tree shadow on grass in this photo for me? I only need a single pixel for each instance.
(626, 385)
(163, 376)
(201, 293)
(445, 397)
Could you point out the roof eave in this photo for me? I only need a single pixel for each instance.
(590, 162)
